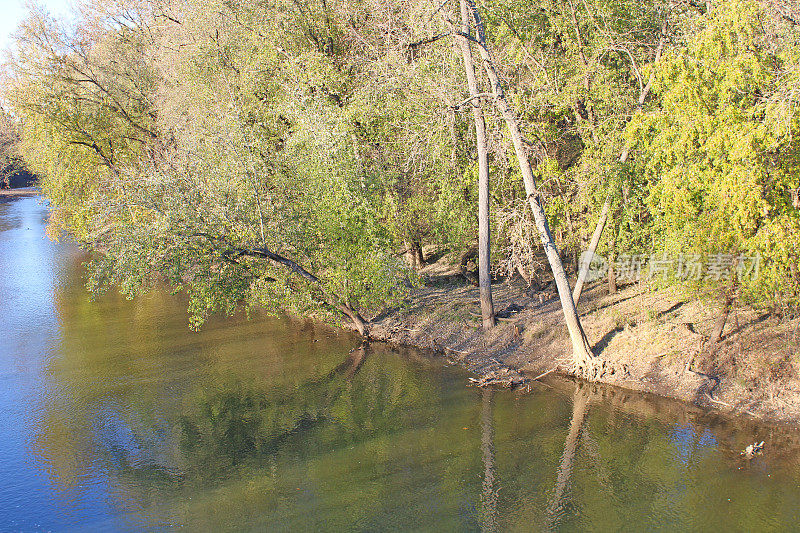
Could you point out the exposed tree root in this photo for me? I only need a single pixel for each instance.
(596, 368)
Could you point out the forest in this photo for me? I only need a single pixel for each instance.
(302, 156)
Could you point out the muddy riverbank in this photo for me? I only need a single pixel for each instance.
(655, 341)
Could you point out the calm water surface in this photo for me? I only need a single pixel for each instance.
(115, 417)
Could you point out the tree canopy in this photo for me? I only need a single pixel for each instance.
(286, 154)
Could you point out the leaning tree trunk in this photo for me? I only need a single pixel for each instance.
(484, 236)
(601, 223)
(355, 317)
(263, 252)
(587, 259)
(581, 351)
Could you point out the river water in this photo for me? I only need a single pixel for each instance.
(115, 417)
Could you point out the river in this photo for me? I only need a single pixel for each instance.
(114, 416)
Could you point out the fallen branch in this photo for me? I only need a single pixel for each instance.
(505, 377)
(718, 401)
(546, 373)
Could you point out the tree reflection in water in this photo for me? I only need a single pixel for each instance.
(241, 423)
(489, 518)
(557, 505)
(129, 421)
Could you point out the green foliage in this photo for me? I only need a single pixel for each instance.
(84, 95)
(235, 144)
(180, 139)
(12, 166)
(718, 171)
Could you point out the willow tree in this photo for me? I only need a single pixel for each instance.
(84, 93)
(238, 181)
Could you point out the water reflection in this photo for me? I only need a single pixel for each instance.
(123, 419)
(489, 518)
(556, 506)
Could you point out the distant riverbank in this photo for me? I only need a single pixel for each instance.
(21, 192)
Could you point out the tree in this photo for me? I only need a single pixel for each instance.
(484, 238)
(719, 157)
(287, 154)
(85, 97)
(623, 158)
(205, 171)
(12, 168)
(581, 351)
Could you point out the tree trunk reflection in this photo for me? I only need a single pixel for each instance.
(489, 493)
(555, 508)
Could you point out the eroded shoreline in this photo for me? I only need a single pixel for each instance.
(653, 341)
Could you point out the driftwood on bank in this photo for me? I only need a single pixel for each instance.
(503, 376)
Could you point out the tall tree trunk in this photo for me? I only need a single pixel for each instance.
(411, 258)
(601, 223)
(612, 273)
(581, 351)
(419, 256)
(484, 236)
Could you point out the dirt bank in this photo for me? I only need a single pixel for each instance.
(656, 341)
